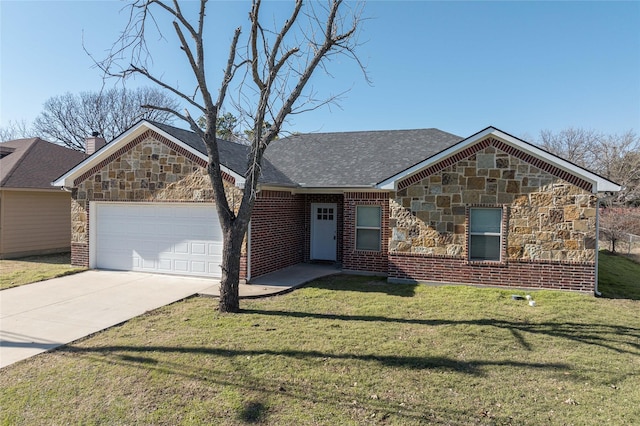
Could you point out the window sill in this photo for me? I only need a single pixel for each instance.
(487, 262)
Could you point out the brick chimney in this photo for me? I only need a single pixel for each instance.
(94, 143)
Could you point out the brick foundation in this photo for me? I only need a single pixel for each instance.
(80, 254)
(540, 274)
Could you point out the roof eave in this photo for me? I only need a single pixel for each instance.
(67, 180)
(319, 189)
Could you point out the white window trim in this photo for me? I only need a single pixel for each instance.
(378, 228)
(487, 234)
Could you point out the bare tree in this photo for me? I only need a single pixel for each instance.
(616, 157)
(15, 130)
(68, 119)
(269, 73)
(617, 223)
(575, 145)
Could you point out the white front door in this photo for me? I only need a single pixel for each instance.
(323, 231)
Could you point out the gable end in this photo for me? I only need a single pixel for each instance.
(144, 136)
(509, 149)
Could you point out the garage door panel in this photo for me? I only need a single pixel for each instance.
(181, 248)
(199, 266)
(164, 265)
(168, 238)
(198, 248)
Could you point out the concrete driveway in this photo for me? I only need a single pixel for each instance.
(37, 317)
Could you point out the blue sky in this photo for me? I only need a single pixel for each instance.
(457, 66)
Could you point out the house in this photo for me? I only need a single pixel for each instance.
(412, 205)
(35, 218)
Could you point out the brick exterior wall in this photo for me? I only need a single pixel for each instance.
(364, 260)
(80, 254)
(539, 274)
(548, 224)
(277, 231)
(337, 199)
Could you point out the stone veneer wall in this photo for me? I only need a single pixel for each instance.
(150, 169)
(549, 221)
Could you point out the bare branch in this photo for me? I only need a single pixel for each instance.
(230, 70)
(254, 44)
(164, 85)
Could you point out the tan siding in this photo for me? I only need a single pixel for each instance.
(35, 221)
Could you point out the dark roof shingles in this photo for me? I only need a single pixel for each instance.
(232, 155)
(35, 163)
(355, 158)
(330, 159)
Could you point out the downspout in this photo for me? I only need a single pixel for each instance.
(248, 277)
(595, 288)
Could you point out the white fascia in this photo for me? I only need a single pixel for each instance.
(67, 179)
(600, 184)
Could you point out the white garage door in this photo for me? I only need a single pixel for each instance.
(168, 238)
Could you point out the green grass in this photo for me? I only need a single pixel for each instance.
(618, 276)
(347, 350)
(31, 269)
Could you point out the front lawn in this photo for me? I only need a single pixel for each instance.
(347, 350)
(618, 276)
(15, 272)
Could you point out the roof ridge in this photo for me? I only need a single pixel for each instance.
(25, 153)
(369, 131)
(317, 133)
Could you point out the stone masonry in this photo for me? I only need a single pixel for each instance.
(151, 169)
(547, 218)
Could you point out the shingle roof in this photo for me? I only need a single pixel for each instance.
(354, 158)
(34, 163)
(232, 155)
(330, 159)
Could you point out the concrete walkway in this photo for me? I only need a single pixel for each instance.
(38, 317)
(278, 282)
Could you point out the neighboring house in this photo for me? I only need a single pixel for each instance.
(35, 217)
(412, 205)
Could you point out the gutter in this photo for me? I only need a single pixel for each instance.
(62, 187)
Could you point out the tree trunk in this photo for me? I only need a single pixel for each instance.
(230, 281)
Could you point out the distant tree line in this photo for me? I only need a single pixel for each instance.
(69, 118)
(613, 156)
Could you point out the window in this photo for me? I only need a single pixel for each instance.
(485, 226)
(368, 228)
(324, 213)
